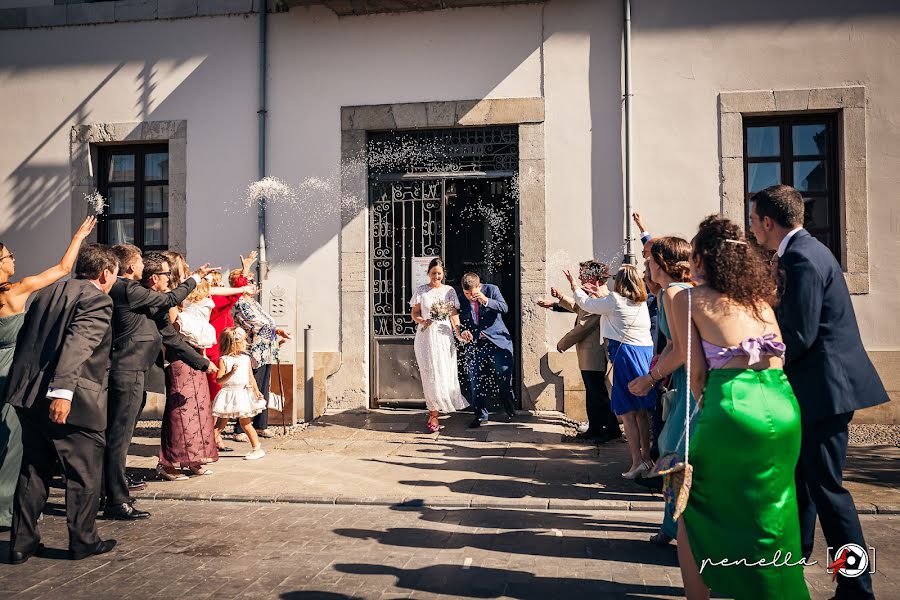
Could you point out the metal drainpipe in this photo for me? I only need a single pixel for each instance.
(263, 267)
(626, 52)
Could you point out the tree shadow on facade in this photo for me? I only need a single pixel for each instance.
(480, 582)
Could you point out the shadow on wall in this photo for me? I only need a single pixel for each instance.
(37, 189)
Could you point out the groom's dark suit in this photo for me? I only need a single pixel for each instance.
(489, 357)
(63, 346)
(832, 376)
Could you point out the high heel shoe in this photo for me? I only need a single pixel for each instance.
(638, 471)
(433, 426)
(201, 471)
(161, 471)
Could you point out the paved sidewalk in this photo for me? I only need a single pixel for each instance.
(225, 550)
(385, 457)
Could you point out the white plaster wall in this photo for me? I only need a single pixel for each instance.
(683, 58)
(204, 71)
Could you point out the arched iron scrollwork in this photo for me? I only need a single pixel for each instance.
(407, 219)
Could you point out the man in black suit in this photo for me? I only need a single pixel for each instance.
(57, 383)
(828, 368)
(136, 345)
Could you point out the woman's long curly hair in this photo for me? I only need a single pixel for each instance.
(673, 254)
(733, 266)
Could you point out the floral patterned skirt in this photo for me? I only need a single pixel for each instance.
(188, 426)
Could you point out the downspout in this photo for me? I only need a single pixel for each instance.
(263, 267)
(626, 54)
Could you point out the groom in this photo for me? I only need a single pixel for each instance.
(488, 348)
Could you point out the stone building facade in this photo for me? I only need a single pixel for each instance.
(720, 90)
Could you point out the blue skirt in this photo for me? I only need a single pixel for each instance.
(629, 363)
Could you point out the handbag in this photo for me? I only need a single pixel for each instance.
(678, 474)
(276, 401)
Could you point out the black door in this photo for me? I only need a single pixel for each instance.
(472, 223)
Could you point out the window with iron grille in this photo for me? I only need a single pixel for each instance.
(135, 182)
(800, 151)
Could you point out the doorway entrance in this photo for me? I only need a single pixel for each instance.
(462, 213)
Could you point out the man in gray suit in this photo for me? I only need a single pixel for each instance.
(58, 385)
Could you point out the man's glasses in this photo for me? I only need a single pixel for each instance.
(10, 255)
(166, 273)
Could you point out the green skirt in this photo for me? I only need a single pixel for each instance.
(743, 503)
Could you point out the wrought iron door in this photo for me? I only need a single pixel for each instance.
(413, 176)
(407, 223)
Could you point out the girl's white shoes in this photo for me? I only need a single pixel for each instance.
(255, 454)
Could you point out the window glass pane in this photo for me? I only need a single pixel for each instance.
(763, 141)
(809, 175)
(809, 139)
(121, 231)
(762, 175)
(121, 167)
(156, 166)
(156, 199)
(816, 213)
(121, 200)
(156, 232)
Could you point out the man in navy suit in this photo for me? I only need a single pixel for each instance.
(488, 347)
(828, 368)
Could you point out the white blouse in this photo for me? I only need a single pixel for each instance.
(623, 320)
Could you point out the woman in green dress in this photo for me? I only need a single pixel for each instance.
(13, 298)
(669, 267)
(740, 532)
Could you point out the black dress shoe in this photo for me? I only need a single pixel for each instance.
(476, 423)
(103, 546)
(124, 512)
(17, 558)
(591, 435)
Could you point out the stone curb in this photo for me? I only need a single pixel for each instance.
(863, 508)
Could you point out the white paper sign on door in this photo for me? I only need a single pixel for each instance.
(420, 270)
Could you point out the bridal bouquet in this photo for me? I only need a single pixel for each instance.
(440, 311)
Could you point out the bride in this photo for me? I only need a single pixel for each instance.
(435, 307)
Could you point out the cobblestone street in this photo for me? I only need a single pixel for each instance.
(293, 552)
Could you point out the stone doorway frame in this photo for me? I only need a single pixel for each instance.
(349, 387)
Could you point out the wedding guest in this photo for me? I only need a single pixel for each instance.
(57, 383)
(435, 307)
(14, 297)
(591, 350)
(239, 397)
(670, 268)
(827, 366)
(262, 344)
(188, 439)
(743, 502)
(220, 317)
(487, 348)
(626, 327)
(136, 346)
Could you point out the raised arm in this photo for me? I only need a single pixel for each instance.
(27, 286)
(140, 298)
(497, 302)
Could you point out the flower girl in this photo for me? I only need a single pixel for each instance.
(239, 397)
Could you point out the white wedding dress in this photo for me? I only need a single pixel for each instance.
(436, 352)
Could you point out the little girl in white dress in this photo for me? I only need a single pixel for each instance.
(239, 397)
